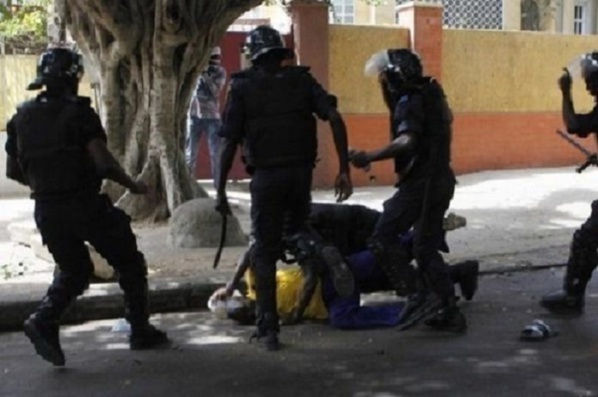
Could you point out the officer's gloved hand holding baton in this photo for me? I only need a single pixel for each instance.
(222, 205)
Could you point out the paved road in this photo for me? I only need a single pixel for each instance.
(212, 358)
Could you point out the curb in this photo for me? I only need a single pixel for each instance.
(105, 301)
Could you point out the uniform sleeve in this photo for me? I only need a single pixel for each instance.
(233, 119)
(588, 123)
(322, 102)
(91, 126)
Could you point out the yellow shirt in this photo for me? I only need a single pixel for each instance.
(288, 286)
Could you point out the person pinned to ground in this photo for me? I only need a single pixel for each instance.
(309, 292)
(56, 145)
(270, 111)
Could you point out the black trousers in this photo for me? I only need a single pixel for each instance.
(280, 205)
(66, 225)
(404, 210)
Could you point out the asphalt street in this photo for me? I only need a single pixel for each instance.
(212, 357)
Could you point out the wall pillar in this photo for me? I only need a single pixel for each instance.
(311, 36)
(424, 21)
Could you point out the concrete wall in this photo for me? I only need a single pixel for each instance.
(16, 72)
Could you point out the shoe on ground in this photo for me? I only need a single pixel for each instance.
(45, 339)
(449, 319)
(468, 282)
(342, 277)
(419, 306)
(268, 339)
(453, 221)
(147, 337)
(563, 303)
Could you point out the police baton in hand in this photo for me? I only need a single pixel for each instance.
(591, 158)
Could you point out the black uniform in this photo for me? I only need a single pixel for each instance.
(48, 138)
(426, 185)
(273, 116)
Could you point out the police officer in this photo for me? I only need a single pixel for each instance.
(582, 251)
(270, 110)
(56, 145)
(420, 146)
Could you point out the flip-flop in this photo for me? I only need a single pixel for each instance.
(537, 331)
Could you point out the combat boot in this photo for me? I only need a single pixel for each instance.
(562, 302)
(267, 332)
(45, 338)
(341, 275)
(466, 275)
(147, 336)
(449, 318)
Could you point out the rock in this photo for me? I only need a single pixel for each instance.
(195, 224)
(26, 233)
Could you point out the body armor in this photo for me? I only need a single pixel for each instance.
(280, 126)
(54, 162)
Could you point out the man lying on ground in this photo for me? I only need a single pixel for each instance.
(307, 291)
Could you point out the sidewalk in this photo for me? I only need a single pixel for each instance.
(517, 220)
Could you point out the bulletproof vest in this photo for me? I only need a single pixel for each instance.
(433, 149)
(280, 126)
(55, 163)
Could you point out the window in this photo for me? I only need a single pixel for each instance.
(580, 16)
(343, 11)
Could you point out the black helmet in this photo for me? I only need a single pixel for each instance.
(404, 65)
(57, 65)
(265, 39)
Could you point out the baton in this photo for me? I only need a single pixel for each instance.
(222, 241)
(592, 158)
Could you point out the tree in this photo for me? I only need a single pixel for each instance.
(148, 55)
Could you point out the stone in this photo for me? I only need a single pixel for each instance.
(196, 224)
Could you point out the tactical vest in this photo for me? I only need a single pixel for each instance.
(54, 162)
(280, 127)
(435, 138)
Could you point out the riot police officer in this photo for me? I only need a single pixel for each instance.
(56, 145)
(583, 258)
(420, 146)
(270, 110)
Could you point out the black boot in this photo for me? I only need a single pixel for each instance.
(448, 318)
(466, 275)
(562, 302)
(143, 334)
(45, 339)
(147, 336)
(342, 277)
(267, 331)
(42, 327)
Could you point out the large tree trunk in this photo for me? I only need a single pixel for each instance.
(148, 54)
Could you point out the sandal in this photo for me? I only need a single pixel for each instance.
(537, 331)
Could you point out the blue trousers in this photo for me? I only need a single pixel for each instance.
(347, 313)
(195, 129)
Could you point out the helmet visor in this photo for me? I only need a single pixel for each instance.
(378, 63)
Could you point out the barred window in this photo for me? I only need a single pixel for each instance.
(469, 14)
(343, 11)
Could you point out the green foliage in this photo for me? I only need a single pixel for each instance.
(30, 19)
